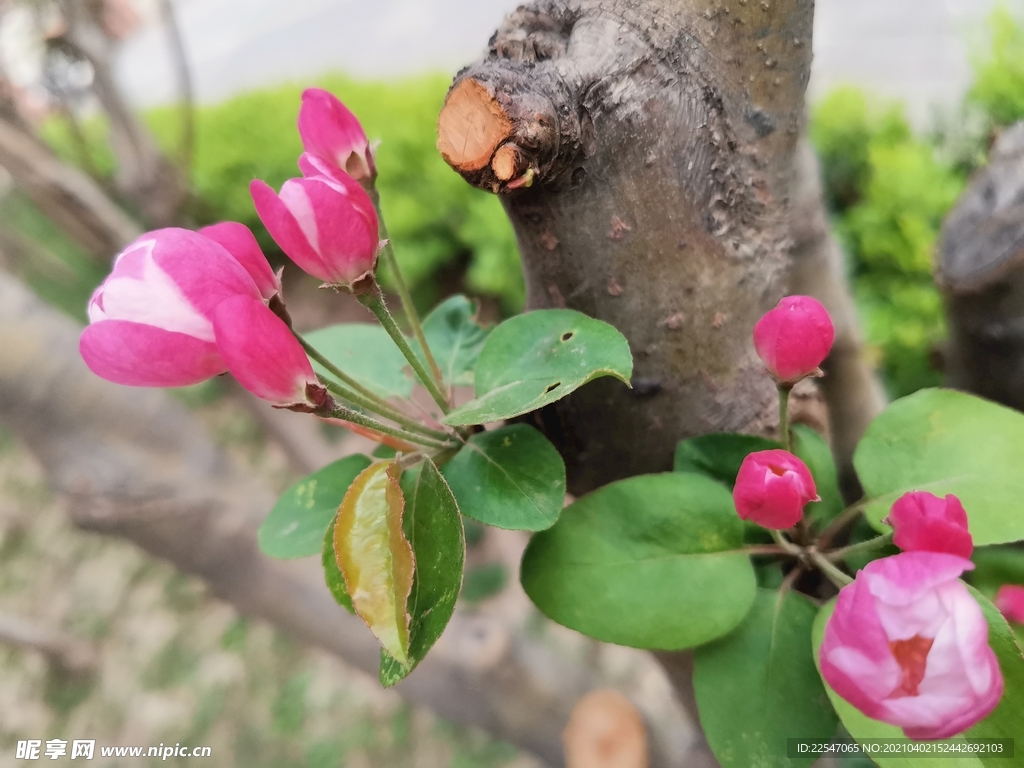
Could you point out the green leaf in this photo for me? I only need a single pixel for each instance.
(1004, 722)
(374, 556)
(366, 353)
(295, 526)
(433, 527)
(719, 455)
(996, 566)
(943, 441)
(332, 574)
(455, 338)
(512, 477)
(650, 562)
(537, 358)
(812, 449)
(758, 686)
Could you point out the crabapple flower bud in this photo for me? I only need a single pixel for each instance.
(907, 644)
(772, 489)
(151, 320)
(793, 339)
(330, 130)
(261, 352)
(238, 240)
(1010, 602)
(925, 523)
(325, 223)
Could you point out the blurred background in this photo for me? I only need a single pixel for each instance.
(169, 109)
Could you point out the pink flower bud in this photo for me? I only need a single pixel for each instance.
(261, 352)
(150, 322)
(794, 338)
(925, 523)
(330, 130)
(772, 489)
(1010, 602)
(325, 223)
(238, 240)
(908, 645)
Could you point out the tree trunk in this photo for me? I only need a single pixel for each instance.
(644, 150)
(981, 275)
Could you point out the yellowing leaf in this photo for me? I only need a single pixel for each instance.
(375, 557)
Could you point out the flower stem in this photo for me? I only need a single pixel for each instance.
(347, 414)
(343, 377)
(834, 528)
(834, 575)
(784, 390)
(365, 397)
(856, 549)
(393, 415)
(374, 301)
(411, 315)
(787, 546)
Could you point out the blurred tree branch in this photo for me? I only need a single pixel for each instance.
(981, 275)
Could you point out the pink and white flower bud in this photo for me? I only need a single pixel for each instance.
(325, 223)
(261, 352)
(150, 322)
(238, 240)
(329, 129)
(1010, 602)
(793, 339)
(907, 644)
(772, 489)
(922, 522)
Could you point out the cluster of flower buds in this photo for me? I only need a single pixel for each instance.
(180, 306)
(907, 643)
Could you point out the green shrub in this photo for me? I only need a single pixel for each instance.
(888, 192)
(433, 216)
(998, 87)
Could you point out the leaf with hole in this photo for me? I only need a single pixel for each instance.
(652, 562)
(1004, 722)
(295, 526)
(455, 339)
(433, 527)
(758, 685)
(537, 358)
(943, 441)
(332, 574)
(374, 556)
(512, 477)
(366, 353)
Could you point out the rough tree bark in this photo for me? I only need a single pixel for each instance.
(135, 464)
(644, 150)
(981, 274)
